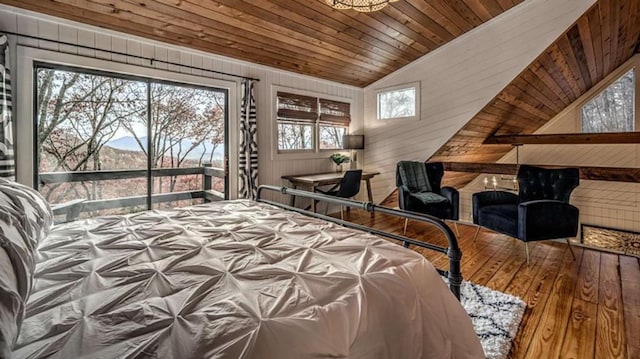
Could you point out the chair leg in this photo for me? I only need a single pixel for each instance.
(455, 225)
(571, 249)
(475, 236)
(526, 248)
(341, 213)
(406, 220)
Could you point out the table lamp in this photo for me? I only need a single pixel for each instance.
(353, 143)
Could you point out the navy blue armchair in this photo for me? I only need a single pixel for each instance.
(540, 210)
(419, 190)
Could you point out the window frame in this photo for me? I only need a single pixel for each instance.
(411, 85)
(632, 63)
(148, 81)
(27, 56)
(316, 152)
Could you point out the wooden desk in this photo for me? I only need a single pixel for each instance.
(322, 179)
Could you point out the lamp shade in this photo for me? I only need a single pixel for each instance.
(353, 142)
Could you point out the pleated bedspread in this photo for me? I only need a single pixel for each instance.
(235, 279)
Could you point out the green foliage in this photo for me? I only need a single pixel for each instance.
(339, 158)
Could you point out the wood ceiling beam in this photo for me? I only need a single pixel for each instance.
(617, 174)
(565, 138)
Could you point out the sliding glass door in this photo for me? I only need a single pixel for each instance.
(109, 143)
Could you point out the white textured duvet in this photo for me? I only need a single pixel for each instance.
(236, 279)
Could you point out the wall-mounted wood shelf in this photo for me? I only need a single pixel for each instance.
(618, 174)
(565, 139)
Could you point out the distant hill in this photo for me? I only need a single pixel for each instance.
(129, 143)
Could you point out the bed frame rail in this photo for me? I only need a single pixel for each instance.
(453, 251)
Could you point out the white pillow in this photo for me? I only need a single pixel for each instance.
(25, 219)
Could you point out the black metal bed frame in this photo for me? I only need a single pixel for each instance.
(453, 251)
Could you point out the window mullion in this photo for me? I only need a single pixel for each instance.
(149, 148)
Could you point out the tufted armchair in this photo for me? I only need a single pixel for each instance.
(540, 210)
(419, 190)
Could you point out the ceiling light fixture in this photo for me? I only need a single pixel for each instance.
(359, 5)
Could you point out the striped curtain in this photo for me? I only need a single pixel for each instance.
(7, 162)
(248, 164)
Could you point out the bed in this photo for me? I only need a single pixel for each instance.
(231, 279)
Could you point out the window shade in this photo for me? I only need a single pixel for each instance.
(297, 108)
(335, 113)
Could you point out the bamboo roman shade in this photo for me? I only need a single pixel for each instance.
(335, 113)
(306, 109)
(297, 108)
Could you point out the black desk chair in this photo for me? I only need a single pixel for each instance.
(419, 190)
(540, 210)
(348, 187)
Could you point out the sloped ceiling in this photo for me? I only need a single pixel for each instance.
(601, 40)
(304, 36)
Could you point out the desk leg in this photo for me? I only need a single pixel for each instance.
(369, 193)
(292, 200)
(313, 201)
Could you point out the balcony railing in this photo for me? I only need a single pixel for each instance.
(72, 209)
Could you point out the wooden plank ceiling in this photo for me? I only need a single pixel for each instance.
(605, 37)
(303, 36)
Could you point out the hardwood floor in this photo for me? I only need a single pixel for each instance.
(583, 308)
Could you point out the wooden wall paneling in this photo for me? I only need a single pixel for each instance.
(67, 32)
(607, 27)
(579, 56)
(547, 90)
(421, 23)
(297, 35)
(588, 45)
(430, 12)
(254, 28)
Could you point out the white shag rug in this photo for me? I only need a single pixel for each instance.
(495, 316)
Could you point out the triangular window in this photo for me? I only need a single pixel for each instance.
(613, 109)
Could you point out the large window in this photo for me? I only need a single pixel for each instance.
(120, 144)
(613, 109)
(398, 102)
(306, 123)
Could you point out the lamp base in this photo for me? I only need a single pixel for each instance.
(354, 160)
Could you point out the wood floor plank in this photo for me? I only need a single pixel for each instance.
(630, 280)
(510, 249)
(510, 267)
(587, 284)
(610, 339)
(536, 298)
(581, 330)
(546, 343)
(524, 278)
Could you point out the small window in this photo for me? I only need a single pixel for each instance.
(306, 123)
(334, 120)
(398, 102)
(613, 109)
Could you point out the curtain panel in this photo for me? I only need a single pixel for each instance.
(248, 156)
(7, 161)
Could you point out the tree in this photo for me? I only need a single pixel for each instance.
(612, 110)
(80, 113)
(77, 115)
